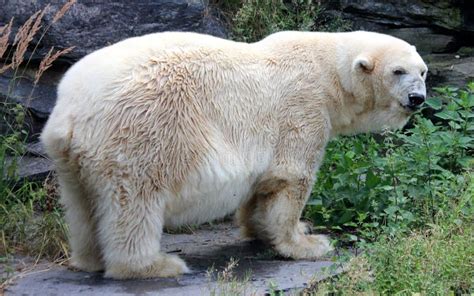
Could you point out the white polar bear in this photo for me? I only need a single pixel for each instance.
(174, 128)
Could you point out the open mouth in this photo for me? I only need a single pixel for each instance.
(410, 108)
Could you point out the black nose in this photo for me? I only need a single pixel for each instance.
(415, 99)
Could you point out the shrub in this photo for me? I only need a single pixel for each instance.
(402, 180)
(434, 261)
(255, 19)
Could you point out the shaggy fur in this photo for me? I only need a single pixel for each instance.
(178, 128)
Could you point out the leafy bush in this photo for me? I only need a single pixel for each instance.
(256, 19)
(401, 180)
(407, 200)
(434, 261)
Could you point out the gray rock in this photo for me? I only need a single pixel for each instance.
(90, 25)
(425, 39)
(35, 149)
(38, 99)
(446, 14)
(433, 26)
(449, 69)
(205, 247)
(32, 168)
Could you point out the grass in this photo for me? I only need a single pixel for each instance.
(436, 260)
(31, 221)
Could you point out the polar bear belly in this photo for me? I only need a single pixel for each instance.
(216, 189)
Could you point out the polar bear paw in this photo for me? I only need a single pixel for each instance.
(305, 247)
(88, 264)
(304, 227)
(166, 266)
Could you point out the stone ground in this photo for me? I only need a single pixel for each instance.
(203, 248)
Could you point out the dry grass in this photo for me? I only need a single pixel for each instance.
(32, 222)
(5, 32)
(25, 35)
(61, 12)
(48, 60)
(226, 283)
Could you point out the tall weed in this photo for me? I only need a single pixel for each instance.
(30, 220)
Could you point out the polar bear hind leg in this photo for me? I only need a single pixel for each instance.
(130, 223)
(85, 253)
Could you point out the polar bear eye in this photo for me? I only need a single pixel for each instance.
(423, 73)
(399, 72)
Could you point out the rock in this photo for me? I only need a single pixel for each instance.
(425, 39)
(38, 99)
(447, 69)
(446, 14)
(35, 149)
(205, 247)
(90, 25)
(32, 168)
(432, 26)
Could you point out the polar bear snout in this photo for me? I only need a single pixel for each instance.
(415, 100)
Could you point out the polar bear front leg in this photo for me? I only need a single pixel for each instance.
(276, 218)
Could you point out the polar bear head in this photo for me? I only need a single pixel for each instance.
(387, 81)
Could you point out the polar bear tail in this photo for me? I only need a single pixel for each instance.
(56, 138)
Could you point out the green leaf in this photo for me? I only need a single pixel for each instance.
(454, 125)
(453, 89)
(315, 202)
(387, 188)
(352, 237)
(470, 126)
(466, 114)
(391, 210)
(435, 103)
(448, 115)
(470, 100)
(465, 140)
(371, 180)
(346, 217)
(466, 162)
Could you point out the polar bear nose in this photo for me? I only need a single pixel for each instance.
(415, 99)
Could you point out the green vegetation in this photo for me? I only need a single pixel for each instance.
(252, 20)
(403, 180)
(31, 221)
(435, 260)
(407, 201)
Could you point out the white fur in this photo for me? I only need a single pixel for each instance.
(180, 128)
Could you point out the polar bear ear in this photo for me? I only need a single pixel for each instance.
(363, 63)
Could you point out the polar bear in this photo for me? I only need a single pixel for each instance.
(177, 128)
